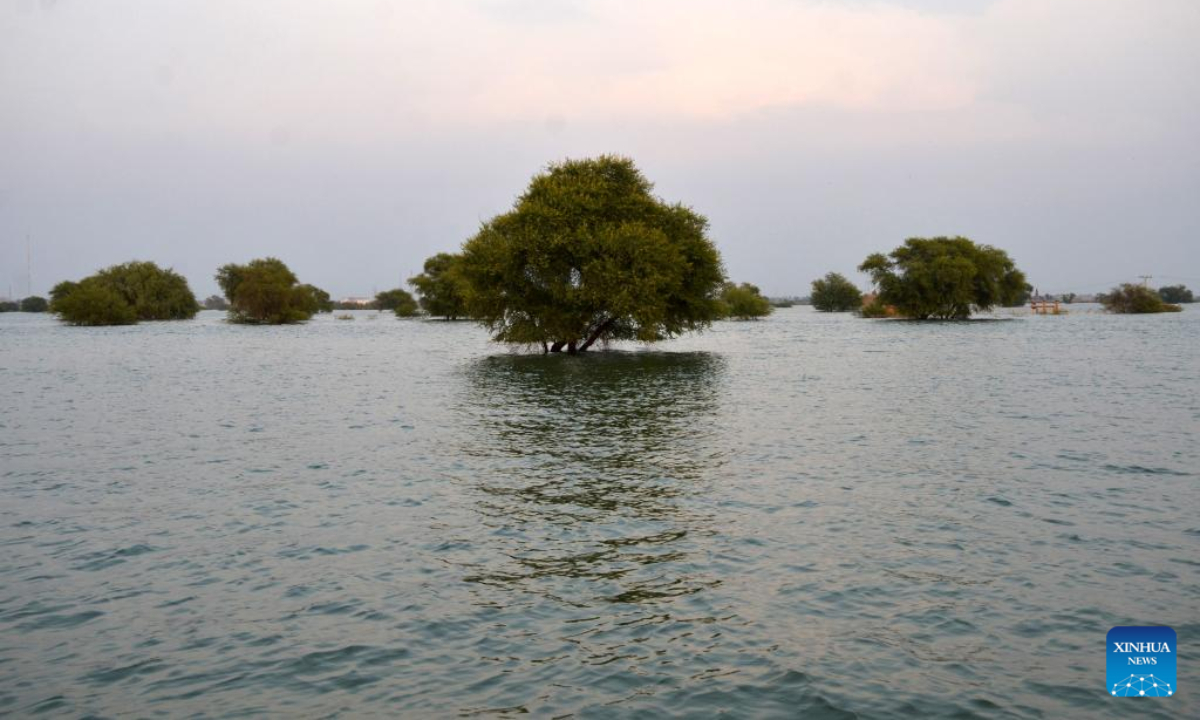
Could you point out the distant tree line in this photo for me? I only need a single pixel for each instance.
(587, 255)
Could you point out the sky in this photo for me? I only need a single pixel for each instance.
(353, 139)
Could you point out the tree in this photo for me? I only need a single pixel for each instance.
(9, 306)
(319, 300)
(124, 294)
(587, 255)
(744, 302)
(398, 301)
(943, 278)
(266, 292)
(216, 302)
(441, 288)
(1176, 294)
(834, 293)
(1137, 299)
(94, 303)
(1021, 298)
(34, 304)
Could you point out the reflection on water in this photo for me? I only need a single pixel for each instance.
(580, 464)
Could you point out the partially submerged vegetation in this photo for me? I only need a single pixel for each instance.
(442, 287)
(123, 295)
(1135, 299)
(588, 254)
(834, 293)
(266, 292)
(743, 302)
(398, 300)
(943, 278)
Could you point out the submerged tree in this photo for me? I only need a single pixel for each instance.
(1176, 294)
(743, 302)
(34, 304)
(398, 301)
(266, 292)
(441, 287)
(124, 294)
(943, 278)
(588, 254)
(215, 302)
(834, 293)
(1136, 299)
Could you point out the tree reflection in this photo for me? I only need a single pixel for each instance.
(585, 472)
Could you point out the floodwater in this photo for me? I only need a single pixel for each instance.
(809, 516)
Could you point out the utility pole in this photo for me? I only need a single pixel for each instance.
(1145, 280)
(28, 266)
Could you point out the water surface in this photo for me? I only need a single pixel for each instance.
(812, 515)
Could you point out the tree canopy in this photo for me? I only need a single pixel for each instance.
(1135, 299)
(34, 304)
(743, 302)
(588, 254)
(266, 292)
(834, 293)
(441, 287)
(397, 300)
(124, 294)
(943, 278)
(1176, 294)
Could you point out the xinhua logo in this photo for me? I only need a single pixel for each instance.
(1141, 662)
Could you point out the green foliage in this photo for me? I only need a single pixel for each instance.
(93, 302)
(266, 292)
(1021, 298)
(1068, 298)
(124, 294)
(743, 302)
(834, 293)
(442, 287)
(943, 278)
(398, 301)
(318, 300)
(1136, 299)
(216, 302)
(1176, 294)
(588, 254)
(34, 304)
(9, 306)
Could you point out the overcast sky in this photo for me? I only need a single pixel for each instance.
(353, 139)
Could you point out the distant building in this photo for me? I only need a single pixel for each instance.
(359, 301)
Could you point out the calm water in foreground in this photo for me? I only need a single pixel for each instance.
(811, 516)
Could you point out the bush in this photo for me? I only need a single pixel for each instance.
(834, 293)
(34, 304)
(1176, 294)
(1135, 299)
(93, 302)
(398, 301)
(9, 306)
(441, 287)
(743, 302)
(125, 294)
(266, 292)
(944, 278)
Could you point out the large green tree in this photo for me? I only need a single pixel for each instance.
(124, 294)
(1136, 299)
(441, 287)
(588, 254)
(834, 293)
(943, 278)
(744, 302)
(266, 292)
(398, 300)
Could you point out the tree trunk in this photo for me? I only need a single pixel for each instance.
(596, 334)
(557, 346)
(571, 348)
